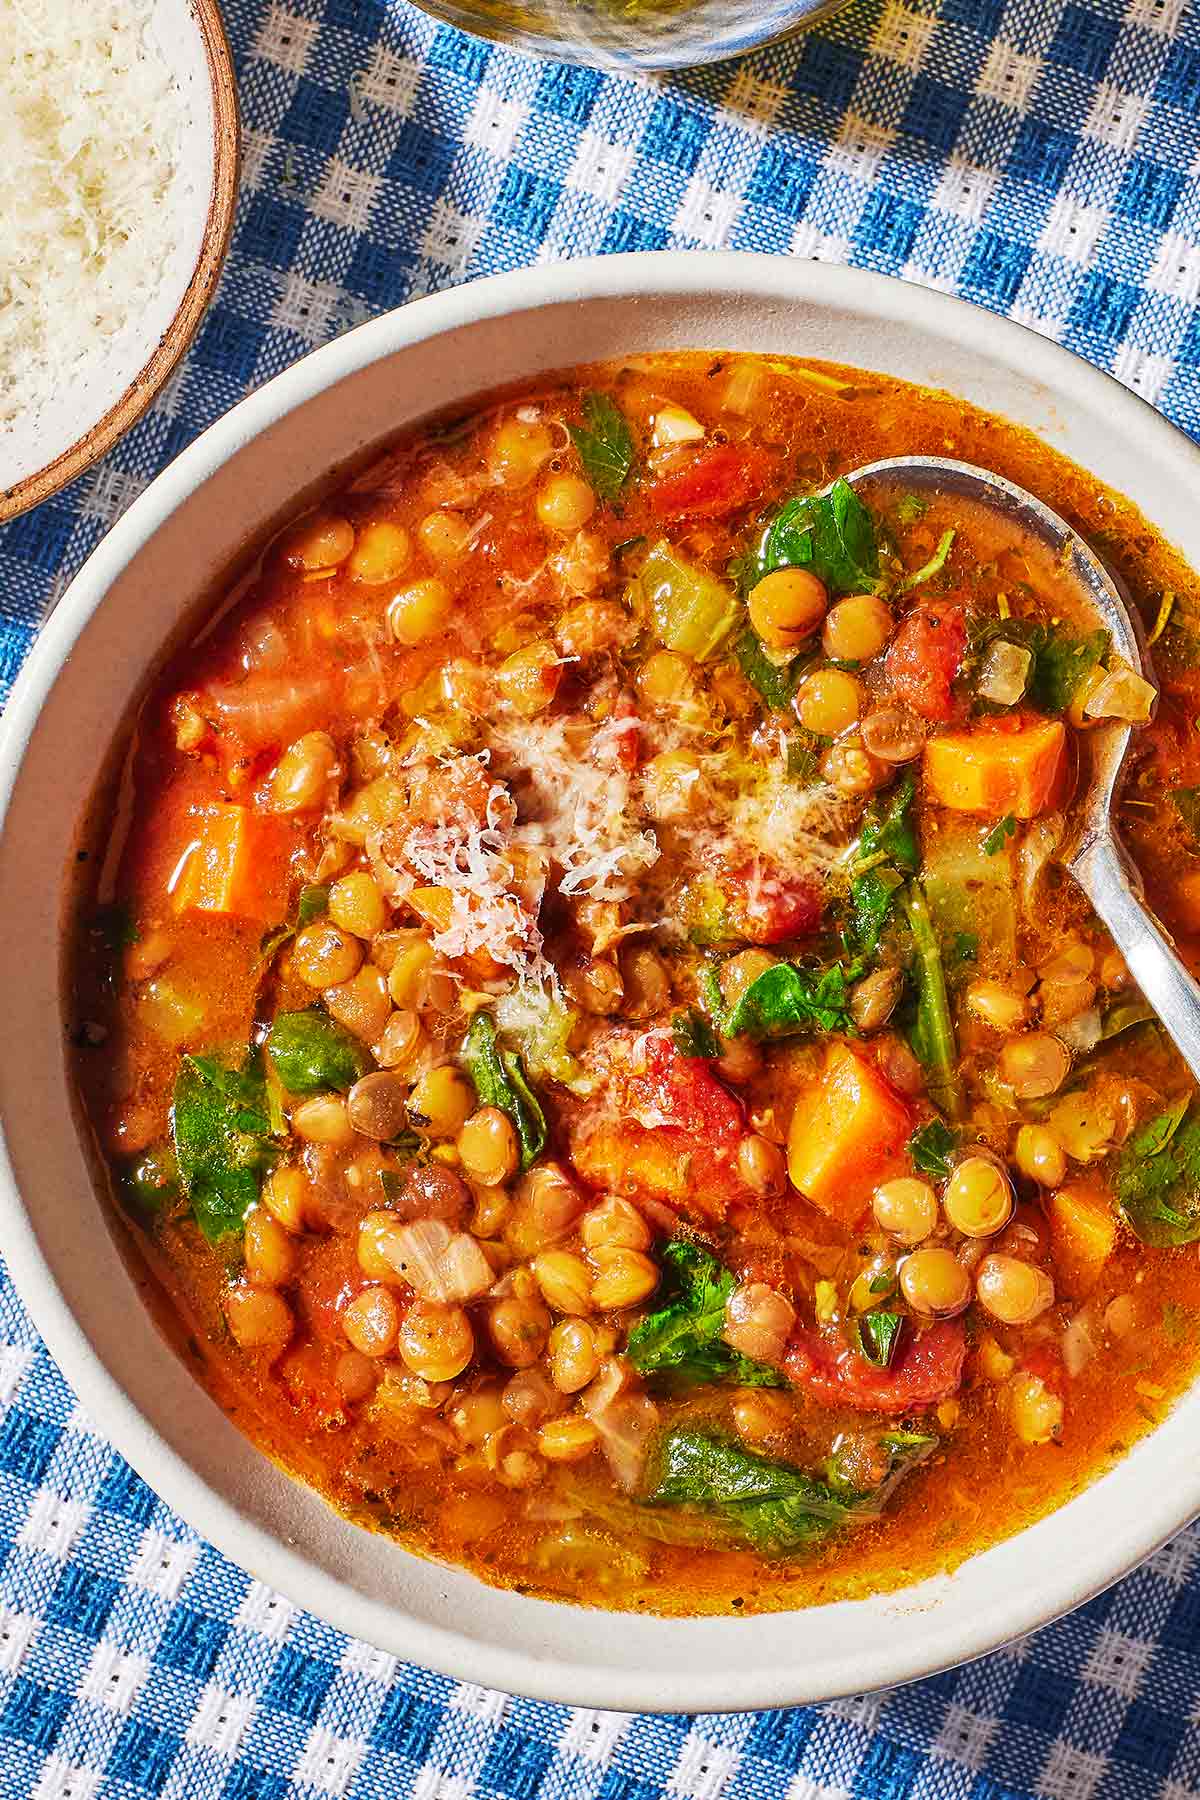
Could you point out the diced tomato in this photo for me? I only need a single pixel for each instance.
(766, 905)
(925, 656)
(927, 1369)
(623, 746)
(714, 482)
(660, 1089)
(1045, 1361)
(676, 1144)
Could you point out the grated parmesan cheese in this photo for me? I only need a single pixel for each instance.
(90, 128)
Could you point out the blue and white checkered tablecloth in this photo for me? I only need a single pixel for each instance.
(1039, 156)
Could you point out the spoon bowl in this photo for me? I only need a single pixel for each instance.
(1093, 854)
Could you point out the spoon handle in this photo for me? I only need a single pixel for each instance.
(1114, 889)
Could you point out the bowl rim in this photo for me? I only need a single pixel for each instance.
(1097, 1559)
(128, 408)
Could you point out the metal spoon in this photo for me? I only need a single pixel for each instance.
(1094, 854)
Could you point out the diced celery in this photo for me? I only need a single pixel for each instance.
(693, 611)
(970, 892)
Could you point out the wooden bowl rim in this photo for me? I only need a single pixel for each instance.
(218, 229)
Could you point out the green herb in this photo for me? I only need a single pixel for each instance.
(832, 534)
(933, 1032)
(311, 1053)
(693, 1035)
(910, 508)
(1186, 802)
(878, 1336)
(931, 1146)
(888, 832)
(774, 1505)
(500, 1081)
(785, 999)
(883, 1283)
(1123, 1016)
(222, 1142)
(628, 544)
(679, 1344)
(1158, 1179)
(999, 835)
(605, 445)
(934, 566)
(776, 682)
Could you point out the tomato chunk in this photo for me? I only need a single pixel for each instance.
(766, 905)
(716, 481)
(925, 656)
(927, 1369)
(661, 1089)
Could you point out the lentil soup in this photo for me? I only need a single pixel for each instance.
(589, 1038)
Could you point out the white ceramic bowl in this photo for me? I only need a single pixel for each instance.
(208, 507)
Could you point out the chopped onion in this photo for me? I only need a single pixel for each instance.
(439, 1263)
(1082, 1033)
(1078, 1347)
(742, 388)
(626, 1421)
(1004, 673)
(1040, 842)
(674, 425)
(1122, 695)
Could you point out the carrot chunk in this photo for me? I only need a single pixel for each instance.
(235, 863)
(845, 1131)
(992, 770)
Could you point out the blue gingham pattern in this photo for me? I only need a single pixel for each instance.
(1038, 156)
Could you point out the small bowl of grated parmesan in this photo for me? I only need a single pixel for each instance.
(121, 116)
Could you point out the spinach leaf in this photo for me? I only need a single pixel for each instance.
(1186, 802)
(500, 1081)
(605, 445)
(931, 1146)
(887, 845)
(693, 1035)
(878, 1336)
(774, 1505)
(999, 835)
(1061, 662)
(832, 534)
(888, 833)
(964, 948)
(932, 1035)
(776, 682)
(871, 897)
(785, 999)
(679, 1344)
(222, 1142)
(311, 1053)
(1158, 1179)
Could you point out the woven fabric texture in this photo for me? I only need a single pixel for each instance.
(1037, 156)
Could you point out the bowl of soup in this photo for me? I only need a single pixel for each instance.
(565, 1099)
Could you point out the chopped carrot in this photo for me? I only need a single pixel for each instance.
(235, 863)
(845, 1131)
(1005, 766)
(1083, 1233)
